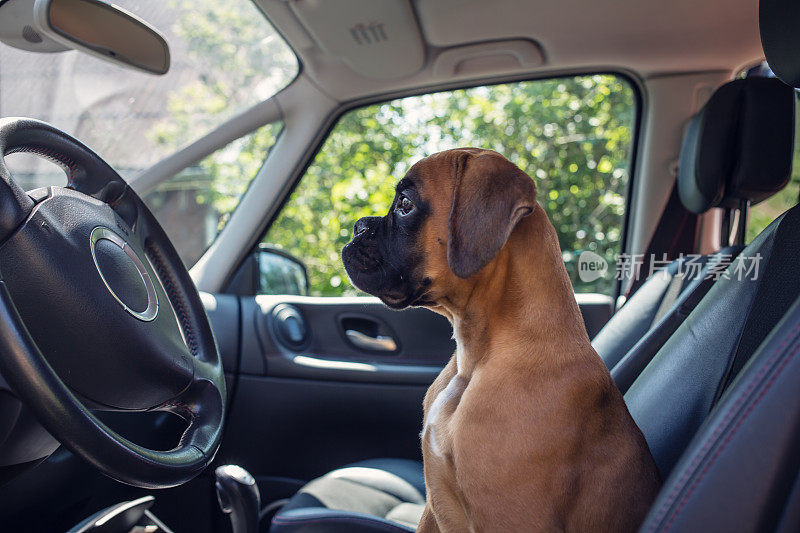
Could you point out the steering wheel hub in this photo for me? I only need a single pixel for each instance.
(124, 274)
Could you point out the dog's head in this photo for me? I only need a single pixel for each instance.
(451, 215)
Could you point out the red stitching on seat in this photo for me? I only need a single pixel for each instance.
(721, 428)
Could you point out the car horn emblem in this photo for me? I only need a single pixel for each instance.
(124, 274)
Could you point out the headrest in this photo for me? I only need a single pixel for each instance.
(739, 146)
(779, 22)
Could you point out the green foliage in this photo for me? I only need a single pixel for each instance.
(232, 169)
(572, 135)
(241, 61)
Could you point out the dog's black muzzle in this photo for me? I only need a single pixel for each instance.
(369, 263)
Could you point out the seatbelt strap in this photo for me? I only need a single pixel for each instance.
(667, 241)
(670, 296)
(708, 270)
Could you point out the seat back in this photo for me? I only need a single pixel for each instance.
(675, 392)
(654, 311)
(740, 473)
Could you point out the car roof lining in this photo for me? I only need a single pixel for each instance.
(646, 38)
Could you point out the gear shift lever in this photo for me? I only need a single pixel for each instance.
(238, 496)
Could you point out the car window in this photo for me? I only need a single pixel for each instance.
(765, 212)
(573, 135)
(194, 205)
(225, 58)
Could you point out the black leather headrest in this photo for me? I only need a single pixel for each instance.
(739, 146)
(779, 22)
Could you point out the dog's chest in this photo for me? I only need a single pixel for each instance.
(436, 429)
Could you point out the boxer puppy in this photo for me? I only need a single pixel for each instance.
(524, 429)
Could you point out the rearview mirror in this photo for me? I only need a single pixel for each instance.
(105, 31)
(280, 273)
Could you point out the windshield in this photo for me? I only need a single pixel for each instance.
(226, 57)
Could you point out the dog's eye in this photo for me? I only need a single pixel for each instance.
(404, 206)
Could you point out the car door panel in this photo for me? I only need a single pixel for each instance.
(422, 340)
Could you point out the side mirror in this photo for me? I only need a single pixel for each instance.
(105, 31)
(280, 273)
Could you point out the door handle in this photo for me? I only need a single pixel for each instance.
(379, 343)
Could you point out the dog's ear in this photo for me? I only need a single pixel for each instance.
(490, 196)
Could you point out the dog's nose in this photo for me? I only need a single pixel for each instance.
(361, 226)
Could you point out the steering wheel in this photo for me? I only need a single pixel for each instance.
(97, 312)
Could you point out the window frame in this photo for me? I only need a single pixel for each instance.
(633, 81)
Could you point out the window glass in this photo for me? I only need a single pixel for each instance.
(762, 214)
(225, 57)
(572, 135)
(194, 205)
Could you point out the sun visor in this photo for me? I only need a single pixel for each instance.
(376, 38)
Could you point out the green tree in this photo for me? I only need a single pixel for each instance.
(237, 57)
